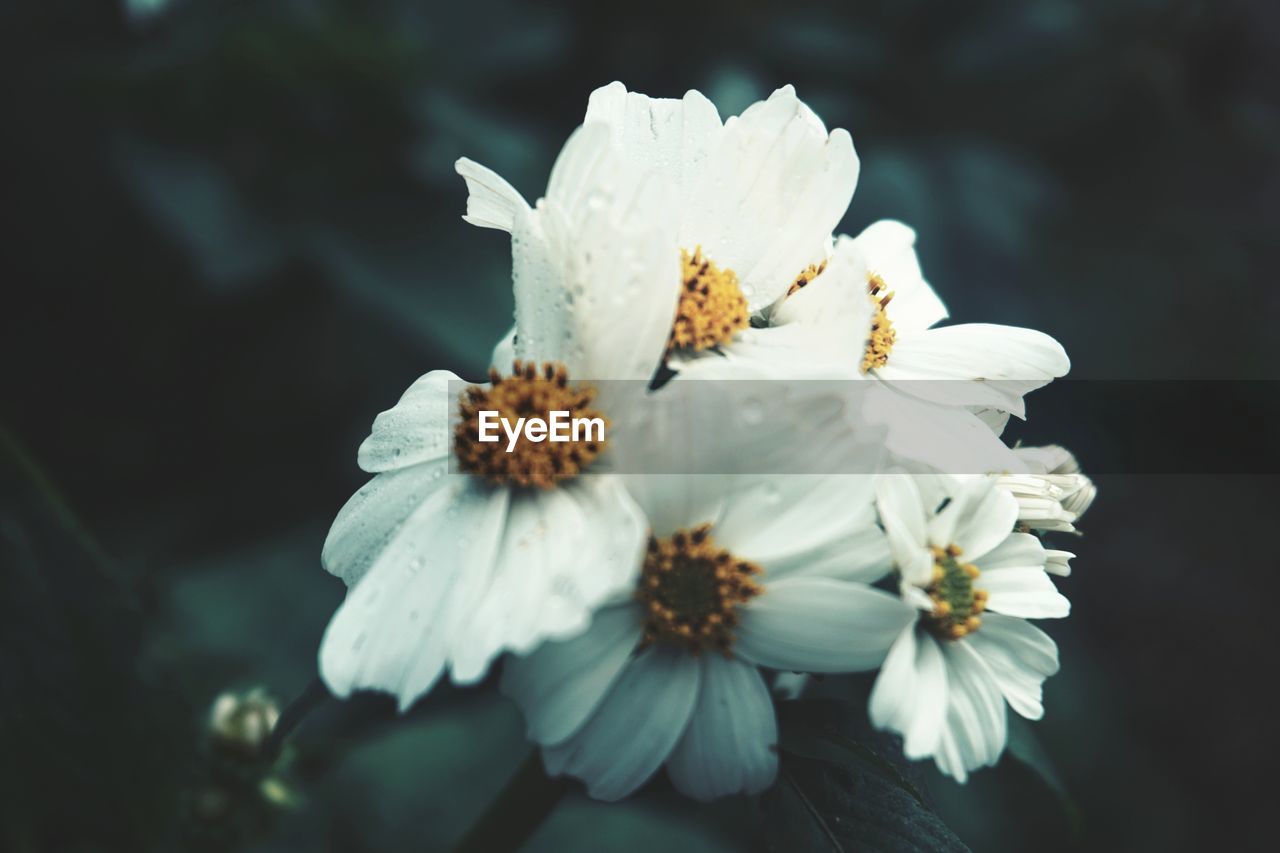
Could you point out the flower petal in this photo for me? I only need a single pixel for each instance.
(504, 352)
(491, 201)
(1020, 657)
(1025, 592)
(810, 624)
(910, 693)
(903, 515)
(599, 250)
(989, 515)
(927, 436)
(674, 137)
(861, 555)
(1018, 550)
(563, 552)
(634, 729)
(393, 631)
(975, 364)
(376, 513)
(976, 726)
(416, 429)
(824, 321)
(888, 249)
(561, 683)
(780, 519)
(730, 746)
(774, 190)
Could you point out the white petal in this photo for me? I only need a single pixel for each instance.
(923, 435)
(976, 364)
(563, 553)
(888, 248)
(674, 137)
(730, 746)
(1018, 550)
(783, 518)
(492, 202)
(1025, 592)
(705, 431)
(560, 684)
(774, 191)
(861, 555)
(377, 512)
(824, 322)
(996, 419)
(416, 429)
(910, 693)
(634, 729)
(674, 502)
(989, 515)
(1020, 656)
(393, 630)
(504, 353)
(785, 352)
(976, 727)
(903, 515)
(810, 624)
(594, 259)
(1058, 562)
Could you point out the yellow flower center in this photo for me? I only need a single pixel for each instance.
(527, 393)
(810, 273)
(882, 336)
(712, 308)
(691, 590)
(956, 604)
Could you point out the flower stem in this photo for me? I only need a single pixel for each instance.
(312, 697)
(517, 811)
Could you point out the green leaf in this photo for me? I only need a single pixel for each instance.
(844, 787)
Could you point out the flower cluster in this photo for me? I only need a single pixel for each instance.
(642, 591)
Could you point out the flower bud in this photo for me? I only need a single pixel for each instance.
(1053, 494)
(240, 723)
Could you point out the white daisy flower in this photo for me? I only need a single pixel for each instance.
(754, 203)
(740, 573)
(456, 550)
(947, 678)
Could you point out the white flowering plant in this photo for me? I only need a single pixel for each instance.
(790, 466)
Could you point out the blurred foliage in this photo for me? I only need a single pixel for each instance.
(233, 234)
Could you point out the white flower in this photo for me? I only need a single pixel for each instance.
(947, 678)
(740, 573)
(752, 206)
(449, 565)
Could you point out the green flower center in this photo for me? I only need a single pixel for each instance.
(956, 604)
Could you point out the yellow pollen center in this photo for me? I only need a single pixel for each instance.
(810, 273)
(712, 308)
(882, 336)
(691, 589)
(956, 604)
(527, 393)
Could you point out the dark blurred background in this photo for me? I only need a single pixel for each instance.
(232, 236)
